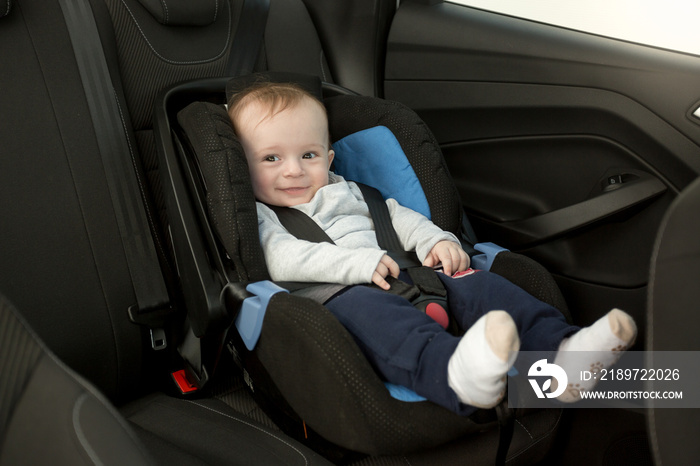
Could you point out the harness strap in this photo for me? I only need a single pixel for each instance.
(384, 229)
(426, 286)
(300, 225)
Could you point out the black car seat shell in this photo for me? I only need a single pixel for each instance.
(297, 332)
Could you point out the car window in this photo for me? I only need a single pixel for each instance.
(670, 24)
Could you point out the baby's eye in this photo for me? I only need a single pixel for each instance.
(309, 155)
(271, 158)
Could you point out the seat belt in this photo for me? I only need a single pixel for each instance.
(248, 38)
(426, 286)
(153, 302)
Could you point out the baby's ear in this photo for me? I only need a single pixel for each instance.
(331, 154)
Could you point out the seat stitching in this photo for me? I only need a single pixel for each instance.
(165, 11)
(77, 406)
(542, 437)
(323, 69)
(306, 460)
(524, 428)
(175, 62)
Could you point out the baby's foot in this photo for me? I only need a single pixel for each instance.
(593, 349)
(477, 369)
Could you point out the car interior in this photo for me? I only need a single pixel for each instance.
(125, 266)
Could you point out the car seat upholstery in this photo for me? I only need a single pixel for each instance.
(46, 405)
(155, 53)
(354, 34)
(64, 265)
(673, 298)
(302, 346)
(63, 262)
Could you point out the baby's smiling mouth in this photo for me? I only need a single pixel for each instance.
(294, 190)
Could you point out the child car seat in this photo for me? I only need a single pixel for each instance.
(305, 369)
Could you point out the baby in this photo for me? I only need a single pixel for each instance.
(284, 133)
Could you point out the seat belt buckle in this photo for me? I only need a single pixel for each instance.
(182, 382)
(250, 319)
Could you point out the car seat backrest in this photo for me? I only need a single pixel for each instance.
(354, 35)
(183, 12)
(154, 54)
(60, 249)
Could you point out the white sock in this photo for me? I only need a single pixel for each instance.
(592, 349)
(477, 369)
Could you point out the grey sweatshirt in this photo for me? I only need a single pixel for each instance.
(340, 210)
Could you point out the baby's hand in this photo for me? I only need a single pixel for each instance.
(387, 266)
(452, 256)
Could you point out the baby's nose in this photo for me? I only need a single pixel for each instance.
(294, 167)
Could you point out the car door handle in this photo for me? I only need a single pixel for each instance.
(613, 200)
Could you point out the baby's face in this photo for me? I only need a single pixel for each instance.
(288, 154)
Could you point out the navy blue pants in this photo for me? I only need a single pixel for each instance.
(409, 348)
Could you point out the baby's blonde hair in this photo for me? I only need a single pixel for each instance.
(275, 96)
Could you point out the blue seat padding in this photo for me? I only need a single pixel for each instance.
(374, 157)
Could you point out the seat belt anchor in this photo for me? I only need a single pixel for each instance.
(155, 321)
(158, 339)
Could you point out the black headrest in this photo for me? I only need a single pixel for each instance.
(5, 6)
(182, 12)
(309, 83)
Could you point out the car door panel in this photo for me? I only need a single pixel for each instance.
(564, 146)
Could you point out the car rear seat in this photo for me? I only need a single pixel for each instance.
(46, 401)
(62, 258)
(154, 54)
(63, 261)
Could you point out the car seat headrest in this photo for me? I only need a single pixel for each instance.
(5, 6)
(182, 12)
(350, 114)
(374, 157)
(309, 83)
(229, 192)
